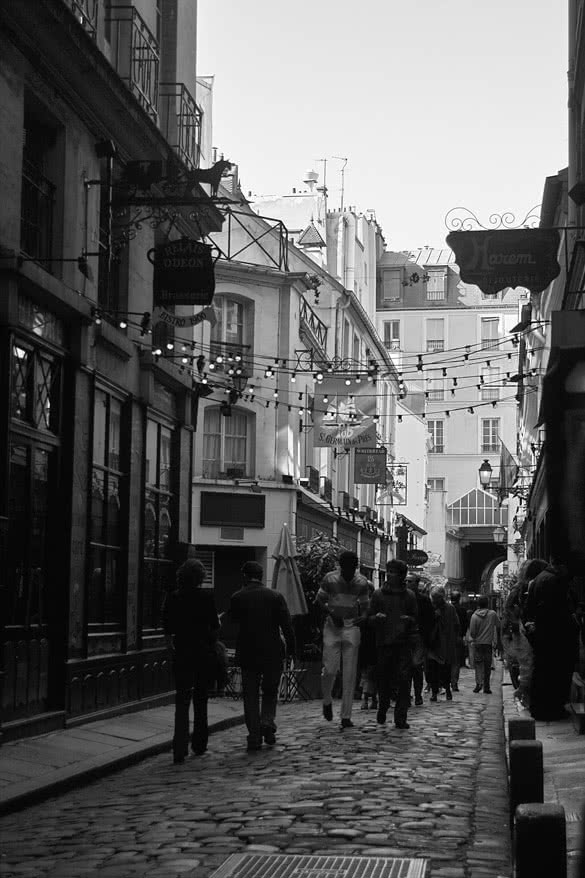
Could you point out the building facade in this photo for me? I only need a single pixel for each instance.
(96, 428)
(456, 355)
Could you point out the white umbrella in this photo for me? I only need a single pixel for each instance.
(286, 577)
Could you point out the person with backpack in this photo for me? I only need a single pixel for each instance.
(484, 628)
(394, 613)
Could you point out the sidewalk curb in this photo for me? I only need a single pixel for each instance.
(34, 791)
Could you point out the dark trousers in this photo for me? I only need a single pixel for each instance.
(394, 669)
(483, 655)
(190, 683)
(438, 675)
(260, 714)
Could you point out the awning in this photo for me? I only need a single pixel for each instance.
(416, 528)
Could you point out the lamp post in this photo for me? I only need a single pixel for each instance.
(485, 474)
(499, 535)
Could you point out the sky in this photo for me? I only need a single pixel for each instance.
(435, 104)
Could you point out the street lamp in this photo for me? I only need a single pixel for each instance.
(485, 474)
(499, 535)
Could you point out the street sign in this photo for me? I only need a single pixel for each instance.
(183, 273)
(416, 558)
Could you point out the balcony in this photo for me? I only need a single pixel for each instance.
(436, 344)
(314, 326)
(135, 55)
(36, 214)
(86, 13)
(180, 122)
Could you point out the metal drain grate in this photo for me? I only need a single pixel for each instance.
(302, 866)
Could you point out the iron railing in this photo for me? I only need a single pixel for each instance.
(36, 214)
(310, 321)
(180, 121)
(86, 13)
(437, 344)
(135, 55)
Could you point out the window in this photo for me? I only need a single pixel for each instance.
(436, 433)
(435, 334)
(490, 435)
(490, 386)
(105, 591)
(436, 484)
(232, 333)
(436, 388)
(490, 332)
(160, 513)
(392, 286)
(227, 443)
(40, 176)
(436, 286)
(392, 335)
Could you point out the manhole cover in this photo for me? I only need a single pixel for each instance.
(301, 866)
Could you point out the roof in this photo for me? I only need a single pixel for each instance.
(311, 237)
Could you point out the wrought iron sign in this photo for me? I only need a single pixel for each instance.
(503, 255)
(395, 491)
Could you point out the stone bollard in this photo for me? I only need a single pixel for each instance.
(526, 774)
(521, 729)
(540, 841)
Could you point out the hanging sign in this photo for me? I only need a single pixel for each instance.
(507, 258)
(344, 417)
(416, 558)
(369, 466)
(161, 316)
(395, 491)
(183, 273)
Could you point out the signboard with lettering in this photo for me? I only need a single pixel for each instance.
(344, 417)
(369, 466)
(395, 490)
(183, 273)
(507, 258)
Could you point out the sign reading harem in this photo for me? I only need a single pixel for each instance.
(507, 258)
(343, 416)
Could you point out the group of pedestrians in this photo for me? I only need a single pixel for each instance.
(401, 636)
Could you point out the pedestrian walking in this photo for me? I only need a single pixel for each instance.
(367, 663)
(442, 652)
(484, 630)
(549, 618)
(463, 623)
(263, 621)
(343, 595)
(394, 612)
(191, 626)
(516, 646)
(422, 638)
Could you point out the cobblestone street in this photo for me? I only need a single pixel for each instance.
(437, 790)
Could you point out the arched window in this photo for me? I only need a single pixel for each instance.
(227, 444)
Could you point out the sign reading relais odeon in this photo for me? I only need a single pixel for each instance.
(344, 417)
(507, 258)
(183, 273)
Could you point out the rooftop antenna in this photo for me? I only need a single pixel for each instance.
(344, 160)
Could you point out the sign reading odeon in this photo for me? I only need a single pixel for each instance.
(183, 273)
(507, 258)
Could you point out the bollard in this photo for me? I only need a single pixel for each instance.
(540, 841)
(521, 729)
(526, 774)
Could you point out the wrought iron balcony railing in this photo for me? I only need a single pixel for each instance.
(180, 121)
(86, 12)
(36, 214)
(316, 327)
(135, 55)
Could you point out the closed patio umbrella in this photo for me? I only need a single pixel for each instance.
(286, 577)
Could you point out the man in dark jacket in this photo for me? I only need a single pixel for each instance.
(426, 622)
(191, 626)
(394, 612)
(262, 615)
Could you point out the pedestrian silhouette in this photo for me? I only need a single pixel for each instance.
(264, 620)
(191, 626)
(484, 628)
(442, 651)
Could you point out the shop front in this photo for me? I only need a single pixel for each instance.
(313, 518)
(367, 554)
(347, 534)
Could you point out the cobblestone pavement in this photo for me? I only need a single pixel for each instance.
(437, 790)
